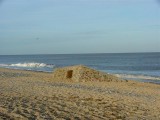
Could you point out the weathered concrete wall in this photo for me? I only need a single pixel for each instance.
(62, 73)
(82, 73)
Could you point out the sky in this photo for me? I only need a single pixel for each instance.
(79, 26)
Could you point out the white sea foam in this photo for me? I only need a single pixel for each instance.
(143, 77)
(28, 65)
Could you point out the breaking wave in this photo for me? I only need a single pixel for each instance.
(28, 65)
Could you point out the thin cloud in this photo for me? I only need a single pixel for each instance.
(96, 32)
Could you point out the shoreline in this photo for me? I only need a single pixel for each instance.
(155, 81)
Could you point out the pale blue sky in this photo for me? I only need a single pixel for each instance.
(79, 26)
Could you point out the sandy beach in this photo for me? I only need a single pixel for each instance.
(28, 95)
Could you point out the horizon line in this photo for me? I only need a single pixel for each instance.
(77, 53)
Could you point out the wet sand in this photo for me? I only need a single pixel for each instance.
(36, 95)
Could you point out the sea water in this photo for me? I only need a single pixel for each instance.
(136, 66)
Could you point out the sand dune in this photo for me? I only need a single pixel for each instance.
(36, 95)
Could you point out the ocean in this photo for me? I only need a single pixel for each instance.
(144, 67)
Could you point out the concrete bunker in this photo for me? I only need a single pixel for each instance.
(80, 73)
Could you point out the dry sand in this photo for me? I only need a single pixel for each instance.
(36, 95)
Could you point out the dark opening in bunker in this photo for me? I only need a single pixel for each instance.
(69, 73)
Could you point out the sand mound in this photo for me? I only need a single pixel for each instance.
(80, 73)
